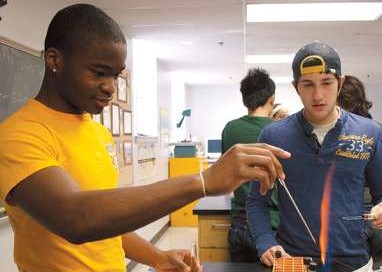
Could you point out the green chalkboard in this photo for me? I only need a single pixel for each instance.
(21, 75)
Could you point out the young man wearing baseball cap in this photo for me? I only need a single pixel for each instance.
(331, 149)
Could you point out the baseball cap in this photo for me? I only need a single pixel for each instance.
(316, 57)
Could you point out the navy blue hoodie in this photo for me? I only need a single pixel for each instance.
(354, 146)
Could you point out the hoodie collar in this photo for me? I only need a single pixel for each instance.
(308, 127)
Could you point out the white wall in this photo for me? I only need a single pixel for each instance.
(161, 162)
(287, 95)
(213, 106)
(149, 172)
(178, 105)
(373, 93)
(164, 86)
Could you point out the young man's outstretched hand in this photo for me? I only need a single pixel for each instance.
(242, 163)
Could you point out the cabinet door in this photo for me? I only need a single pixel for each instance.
(185, 166)
(214, 255)
(213, 231)
(183, 217)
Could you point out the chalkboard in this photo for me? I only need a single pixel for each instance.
(21, 75)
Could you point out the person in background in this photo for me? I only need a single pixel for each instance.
(59, 168)
(279, 112)
(258, 93)
(329, 148)
(353, 98)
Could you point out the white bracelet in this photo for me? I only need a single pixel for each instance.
(203, 185)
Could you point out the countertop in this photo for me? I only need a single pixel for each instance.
(231, 267)
(234, 267)
(213, 205)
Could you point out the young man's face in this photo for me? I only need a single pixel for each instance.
(318, 93)
(88, 78)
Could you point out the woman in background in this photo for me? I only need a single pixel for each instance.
(352, 97)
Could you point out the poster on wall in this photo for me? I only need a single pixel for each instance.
(115, 119)
(97, 118)
(127, 152)
(122, 89)
(119, 147)
(106, 117)
(127, 129)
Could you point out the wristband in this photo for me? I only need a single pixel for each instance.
(203, 184)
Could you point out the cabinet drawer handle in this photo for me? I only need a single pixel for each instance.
(221, 226)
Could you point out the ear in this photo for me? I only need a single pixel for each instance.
(294, 83)
(341, 80)
(271, 100)
(53, 60)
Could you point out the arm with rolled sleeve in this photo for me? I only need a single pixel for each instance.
(259, 219)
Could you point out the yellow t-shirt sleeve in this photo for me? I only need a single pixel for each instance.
(24, 150)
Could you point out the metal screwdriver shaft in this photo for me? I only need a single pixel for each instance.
(297, 209)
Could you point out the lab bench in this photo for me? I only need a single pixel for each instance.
(214, 222)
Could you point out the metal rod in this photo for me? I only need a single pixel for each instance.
(366, 217)
(194, 250)
(297, 209)
(352, 217)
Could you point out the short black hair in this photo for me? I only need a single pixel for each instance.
(256, 88)
(75, 27)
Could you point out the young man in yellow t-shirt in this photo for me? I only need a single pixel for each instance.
(58, 172)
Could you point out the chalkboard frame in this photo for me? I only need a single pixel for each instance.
(21, 47)
(22, 69)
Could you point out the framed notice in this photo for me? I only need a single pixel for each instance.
(127, 128)
(127, 152)
(97, 118)
(122, 89)
(115, 119)
(121, 159)
(106, 117)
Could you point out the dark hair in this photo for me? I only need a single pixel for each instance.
(75, 27)
(352, 97)
(256, 88)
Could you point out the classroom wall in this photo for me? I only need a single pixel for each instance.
(373, 93)
(213, 106)
(158, 168)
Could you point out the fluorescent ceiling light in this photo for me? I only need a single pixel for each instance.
(269, 58)
(365, 11)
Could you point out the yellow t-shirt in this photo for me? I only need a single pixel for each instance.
(36, 137)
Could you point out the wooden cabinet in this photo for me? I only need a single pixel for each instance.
(179, 167)
(213, 238)
(214, 221)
